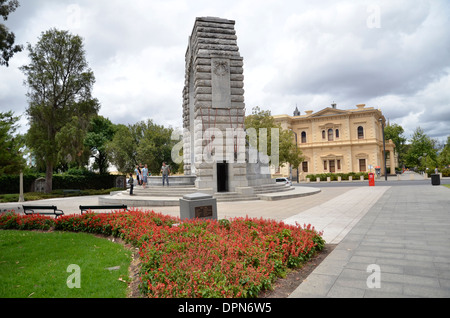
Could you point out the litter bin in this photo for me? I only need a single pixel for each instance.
(435, 179)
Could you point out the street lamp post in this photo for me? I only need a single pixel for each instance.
(296, 147)
(384, 149)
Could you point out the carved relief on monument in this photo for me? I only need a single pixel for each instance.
(220, 81)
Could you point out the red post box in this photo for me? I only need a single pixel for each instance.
(371, 179)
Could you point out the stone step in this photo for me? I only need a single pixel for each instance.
(170, 192)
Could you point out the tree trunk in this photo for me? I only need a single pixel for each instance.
(48, 178)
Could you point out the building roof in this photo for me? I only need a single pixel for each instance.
(330, 111)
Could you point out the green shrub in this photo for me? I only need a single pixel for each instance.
(82, 180)
(334, 176)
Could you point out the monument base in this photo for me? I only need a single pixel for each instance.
(198, 206)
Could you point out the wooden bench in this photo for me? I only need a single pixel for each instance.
(42, 210)
(84, 208)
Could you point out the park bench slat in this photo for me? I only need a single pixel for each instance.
(31, 209)
(84, 208)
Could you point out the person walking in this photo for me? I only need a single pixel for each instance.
(144, 176)
(165, 169)
(137, 171)
(131, 183)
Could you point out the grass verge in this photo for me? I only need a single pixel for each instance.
(34, 265)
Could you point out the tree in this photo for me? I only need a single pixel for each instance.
(59, 84)
(444, 155)
(101, 132)
(261, 119)
(155, 146)
(11, 160)
(143, 142)
(422, 151)
(7, 47)
(122, 149)
(288, 151)
(395, 133)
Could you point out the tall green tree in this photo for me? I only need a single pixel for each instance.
(155, 146)
(101, 132)
(289, 152)
(395, 132)
(59, 83)
(7, 38)
(422, 151)
(122, 149)
(444, 155)
(11, 159)
(143, 142)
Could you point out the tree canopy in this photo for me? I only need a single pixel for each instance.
(143, 142)
(11, 160)
(7, 38)
(101, 132)
(59, 84)
(288, 150)
(422, 151)
(395, 132)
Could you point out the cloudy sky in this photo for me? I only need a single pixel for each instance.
(392, 55)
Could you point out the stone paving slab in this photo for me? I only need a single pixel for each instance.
(337, 216)
(407, 234)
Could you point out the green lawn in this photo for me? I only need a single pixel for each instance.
(34, 264)
(447, 185)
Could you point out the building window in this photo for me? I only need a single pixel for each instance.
(362, 165)
(360, 132)
(305, 166)
(323, 134)
(332, 166)
(324, 165)
(337, 133)
(338, 164)
(330, 134)
(303, 137)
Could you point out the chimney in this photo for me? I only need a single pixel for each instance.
(333, 105)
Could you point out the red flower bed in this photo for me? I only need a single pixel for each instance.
(225, 258)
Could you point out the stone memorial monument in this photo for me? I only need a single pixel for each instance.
(219, 164)
(214, 110)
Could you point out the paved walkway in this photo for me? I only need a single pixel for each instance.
(404, 231)
(405, 235)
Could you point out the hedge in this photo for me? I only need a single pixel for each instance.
(10, 184)
(334, 176)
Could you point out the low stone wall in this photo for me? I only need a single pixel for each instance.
(173, 180)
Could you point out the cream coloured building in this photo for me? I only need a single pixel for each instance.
(338, 141)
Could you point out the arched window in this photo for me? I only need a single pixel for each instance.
(337, 133)
(303, 137)
(323, 134)
(360, 132)
(330, 134)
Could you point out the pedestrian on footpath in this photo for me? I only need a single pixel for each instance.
(131, 183)
(144, 176)
(165, 169)
(137, 171)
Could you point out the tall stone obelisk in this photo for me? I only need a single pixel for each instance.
(214, 108)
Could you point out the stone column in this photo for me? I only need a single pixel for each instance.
(213, 101)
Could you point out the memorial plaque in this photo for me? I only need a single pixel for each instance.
(198, 206)
(204, 211)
